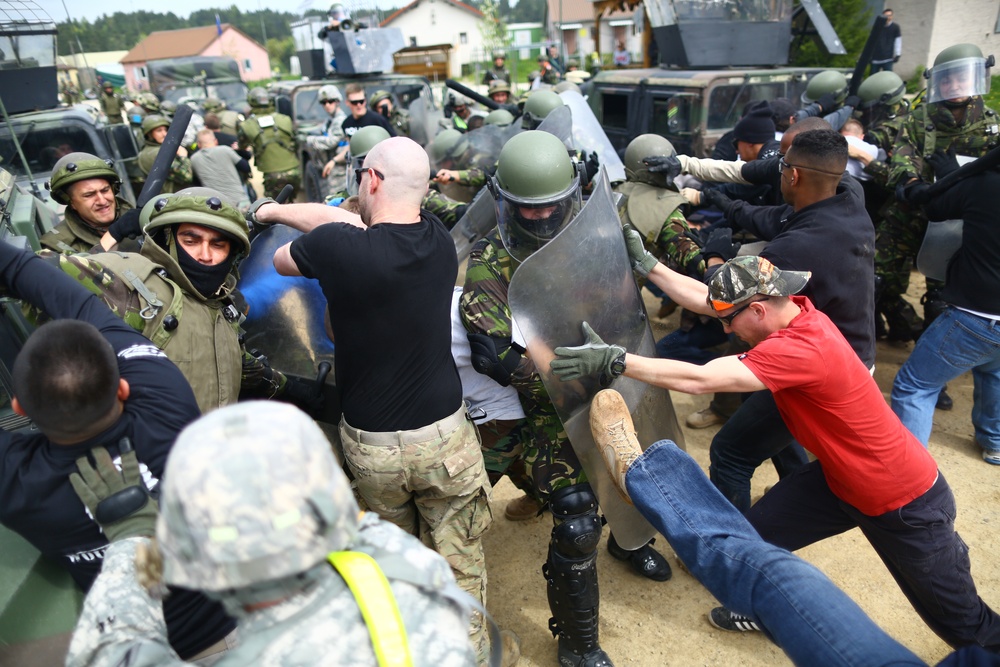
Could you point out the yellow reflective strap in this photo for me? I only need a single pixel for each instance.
(378, 606)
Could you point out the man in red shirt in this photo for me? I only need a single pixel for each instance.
(870, 471)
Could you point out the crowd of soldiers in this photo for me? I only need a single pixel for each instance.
(256, 519)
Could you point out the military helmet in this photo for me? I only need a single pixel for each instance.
(197, 206)
(213, 105)
(75, 167)
(563, 86)
(449, 144)
(572, 62)
(643, 146)
(338, 12)
(499, 86)
(960, 71)
(500, 117)
(168, 108)
(108, 84)
(499, 54)
(377, 97)
(149, 102)
(328, 92)
(252, 494)
(881, 88)
(828, 81)
(153, 121)
(259, 97)
(365, 139)
(458, 99)
(539, 105)
(537, 191)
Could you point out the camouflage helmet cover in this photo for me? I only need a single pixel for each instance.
(828, 81)
(149, 102)
(213, 105)
(197, 206)
(75, 167)
(168, 108)
(259, 97)
(377, 97)
(150, 123)
(252, 493)
(499, 86)
(328, 92)
(539, 105)
(643, 146)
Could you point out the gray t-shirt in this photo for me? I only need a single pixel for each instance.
(215, 167)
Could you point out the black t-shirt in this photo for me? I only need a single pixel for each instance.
(352, 125)
(974, 272)
(884, 45)
(36, 498)
(389, 290)
(834, 239)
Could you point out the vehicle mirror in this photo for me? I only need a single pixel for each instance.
(122, 137)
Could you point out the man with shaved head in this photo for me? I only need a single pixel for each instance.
(406, 434)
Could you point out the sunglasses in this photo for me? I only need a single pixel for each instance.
(329, 101)
(782, 166)
(728, 319)
(358, 173)
(356, 102)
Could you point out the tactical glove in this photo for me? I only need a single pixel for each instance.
(252, 220)
(642, 260)
(720, 244)
(827, 103)
(118, 501)
(943, 163)
(127, 225)
(594, 358)
(716, 198)
(852, 101)
(306, 395)
(591, 165)
(914, 193)
(669, 165)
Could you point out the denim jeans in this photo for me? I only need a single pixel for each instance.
(753, 434)
(695, 346)
(955, 342)
(799, 608)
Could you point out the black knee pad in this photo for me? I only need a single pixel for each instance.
(578, 526)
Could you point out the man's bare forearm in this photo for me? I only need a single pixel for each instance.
(305, 217)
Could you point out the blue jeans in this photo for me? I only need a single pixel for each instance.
(695, 346)
(955, 342)
(799, 608)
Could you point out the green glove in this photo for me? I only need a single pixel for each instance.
(251, 216)
(118, 501)
(593, 358)
(642, 260)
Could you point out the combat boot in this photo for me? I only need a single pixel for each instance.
(902, 320)
(933, 305)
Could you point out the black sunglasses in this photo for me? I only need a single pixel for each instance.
(328, 101)
(361, 170)
(356, 102)
(728, 319)
(782, 166)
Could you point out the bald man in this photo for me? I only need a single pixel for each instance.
(388, 275)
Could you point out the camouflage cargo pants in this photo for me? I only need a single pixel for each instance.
(549, 460)
(274, 181)
(432, 483)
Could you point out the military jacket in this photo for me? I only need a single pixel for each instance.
(230, 121)
(931, 127)
(181, 175)
(73, 235)
(669, 239)
(112, 106)
(273, 142)
(400, 120)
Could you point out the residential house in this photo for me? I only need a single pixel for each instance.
(571, 22)
(430, 22)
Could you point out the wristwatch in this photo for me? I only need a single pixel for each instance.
(618, 366)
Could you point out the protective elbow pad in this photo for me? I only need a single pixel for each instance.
(486, 351)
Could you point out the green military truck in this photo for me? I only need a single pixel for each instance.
(196, 78)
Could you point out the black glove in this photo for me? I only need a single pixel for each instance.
(127, 225)
(827, 102)
(716, 198)
(943, 163)
(720, 244)
(852, 101)
(913, 193)
(895, 59)
(322, 33)
(306, 395)
(591, 165)
(670, 165)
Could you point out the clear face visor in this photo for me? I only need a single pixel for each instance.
(338, 13)
(968, 77)
(525, 225)
(353, 163)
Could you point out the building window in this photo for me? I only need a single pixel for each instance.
(247, 65)
(413, 41)
(463, 38)
(996, 28)
(140, 73)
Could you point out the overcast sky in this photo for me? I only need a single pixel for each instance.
(91, 9)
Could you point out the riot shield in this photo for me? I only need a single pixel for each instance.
(479, 218)
(559, 123)
(424, 120)
(588, 135)
(286, 315)
(583, 274)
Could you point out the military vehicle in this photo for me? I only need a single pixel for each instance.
(196, 78)
(714, 58)
(36, 131)
(298, 99)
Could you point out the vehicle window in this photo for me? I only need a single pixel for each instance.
(671, 116)
(725, 104)
(614, 110)
(307, 107)
(233, 93)
(43, 145)
(12, 332)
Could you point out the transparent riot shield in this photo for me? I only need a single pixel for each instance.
(479, 218)
(583, 274)
(424, 120)
(589, 136)
(559, 123)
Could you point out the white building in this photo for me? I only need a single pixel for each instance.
(430, 22)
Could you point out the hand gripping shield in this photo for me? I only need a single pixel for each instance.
(589, 136)
(584, 274)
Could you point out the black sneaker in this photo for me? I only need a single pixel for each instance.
(645, 561)
(724, 619)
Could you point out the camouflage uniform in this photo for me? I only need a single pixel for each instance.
(671, 240)
(883, 134)
(446, 209)
(274, 151)
(400, 121)
(112, 105)
(73, 235)
(927, 128)
(549, 460)
(318, 620)
(181, 175)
